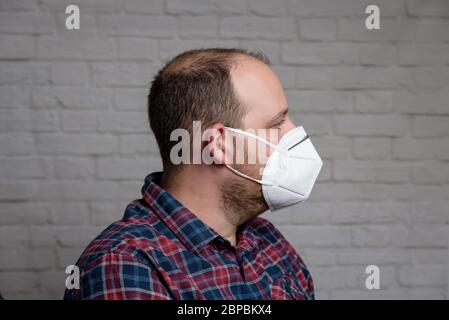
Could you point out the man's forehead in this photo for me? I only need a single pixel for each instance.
(260, 90)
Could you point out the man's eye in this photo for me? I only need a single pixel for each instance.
(279, 125)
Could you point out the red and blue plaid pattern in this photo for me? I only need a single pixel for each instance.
(161, 250)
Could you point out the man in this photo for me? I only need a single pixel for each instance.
(196, 234)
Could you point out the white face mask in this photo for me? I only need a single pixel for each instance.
(291, 170)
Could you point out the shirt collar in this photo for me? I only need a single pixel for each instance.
(190, 230)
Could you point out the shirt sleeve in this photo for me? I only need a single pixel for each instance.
(120, 277)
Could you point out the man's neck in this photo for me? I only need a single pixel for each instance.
(203, 198)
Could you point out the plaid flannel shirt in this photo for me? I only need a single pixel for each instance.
(161, 250)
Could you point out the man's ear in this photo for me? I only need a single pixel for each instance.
(215, 149)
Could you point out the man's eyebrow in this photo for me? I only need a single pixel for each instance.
(277, 118)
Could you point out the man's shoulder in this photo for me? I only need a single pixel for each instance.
(136, 231)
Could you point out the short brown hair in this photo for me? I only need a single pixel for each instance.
(195, 86)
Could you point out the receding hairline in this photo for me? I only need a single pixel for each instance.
(193, 60)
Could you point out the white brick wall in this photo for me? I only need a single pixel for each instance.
(75, 145)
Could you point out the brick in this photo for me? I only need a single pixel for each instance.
(370, 236)
(267, 7)
(18, 282)
(257, 27)
(137, 49)
(132, 189)
(130, 99)
(329, 8)
(335, 277)
(348, 53)
(103, 213)
(78, 121)
(27, 259)
(75, 144)
(427, 103)
(432, 8)
(14, 236)
(204, 7)
(319, 101)
(377, 54)
(428, 294)
(123, 122)
(78, 190)
(71, 97)
(144, 6)
(309, 53)
(309, 213)
(431, 77)
(371, 125)
(316, 125)
(70, 73)
(17, 190)
(316, 236)
(205, 27)
(363, 294)
(24, 72)
(379, 171)
(74, 46)
(371, 148)
(73, 167)
(39, 121)
(319, 258)
(429, 30)
(420, 236)
(332, 147)
(430, 126)
(68, 256)
(374, 102)
(24, 168)
(52, 282)
(391, 30)
(23, 213)
(420, 149)
(430, 212)
(371, 77)
(98, 6)
(354, 212)
(313, 78)
(169, 49)
(132, 25)
(378, 256)
(18, 5)
(70, 213)
(423, 54)
(21, 22)
(67, 236)
(14, 97)
(429, 256)
(123, 168)
(430, 173)
(138, 144)
(317, 29)
(16, 47)
(286, 76)
(423, 275)
(122, 74)
(16, 144)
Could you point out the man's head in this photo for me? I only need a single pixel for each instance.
(220, 88)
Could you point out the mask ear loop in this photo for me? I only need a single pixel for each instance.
(249, 134)
(265, 183)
